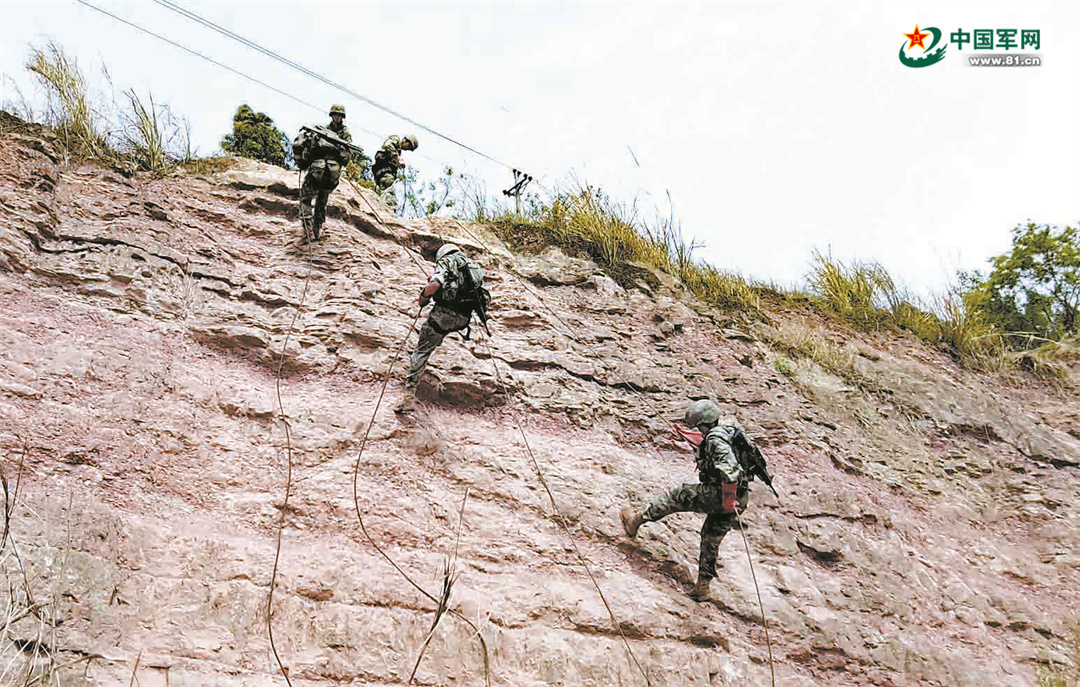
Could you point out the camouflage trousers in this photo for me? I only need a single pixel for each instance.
(698, 498)
(384, 186)
(440, 322)
(322, 177)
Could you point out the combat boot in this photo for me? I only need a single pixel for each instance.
(316, 229)
(307, 223)
(700, 592)
(631, 521)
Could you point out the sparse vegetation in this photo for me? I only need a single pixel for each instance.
(68, 110)
(358, 170)
(138, 135)
(586, 222)
(1023, 314)
(1052, 673)
(798, 341)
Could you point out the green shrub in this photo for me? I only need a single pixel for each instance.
(254, 136)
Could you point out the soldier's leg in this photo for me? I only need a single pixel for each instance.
(429, 341)
(329, 182)
(320, 211)
(686, 498)
(440, 322)
(712, 533)
(384, 184)
(309, 191)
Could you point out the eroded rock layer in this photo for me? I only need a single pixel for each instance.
(926, 531)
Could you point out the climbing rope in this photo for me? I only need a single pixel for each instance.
(360, 517)
(761, 605)
(288, 448)
(562, 521)
(438, 601)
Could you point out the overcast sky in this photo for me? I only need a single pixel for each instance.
(777, 127)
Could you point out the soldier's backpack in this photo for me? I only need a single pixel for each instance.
(750, 459)
(466, 293)
(302, 149)
(308, 147)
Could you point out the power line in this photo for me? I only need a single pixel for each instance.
(197, 54)
(211, 60)
(304, 70)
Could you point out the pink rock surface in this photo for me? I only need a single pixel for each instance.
(926, 531)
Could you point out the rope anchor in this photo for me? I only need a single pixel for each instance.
(521, 180)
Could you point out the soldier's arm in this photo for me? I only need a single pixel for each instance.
(435, 283)
(430, 290)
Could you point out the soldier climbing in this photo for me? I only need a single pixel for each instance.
(322, 152)
(726, 462)
(457, 287)
(387, 163)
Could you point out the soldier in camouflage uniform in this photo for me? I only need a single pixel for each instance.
(387, 163)
(454, 303)
(723, 488)
(326, 161)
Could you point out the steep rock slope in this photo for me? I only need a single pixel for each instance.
(926, 534)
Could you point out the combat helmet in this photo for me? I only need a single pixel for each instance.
(701, 413)
(411, 140)
(447, 249)
(337, 109)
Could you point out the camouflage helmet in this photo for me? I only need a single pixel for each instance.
(411, 140)
(337, 109)
(701, 413)
(447, 249)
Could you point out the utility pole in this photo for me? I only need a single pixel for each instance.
(521, 180)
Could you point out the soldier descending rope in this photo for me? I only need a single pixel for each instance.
(322, 152)
(458, 289)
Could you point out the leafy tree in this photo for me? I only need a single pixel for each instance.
(255, 136)
(359, 170)
(1035, 287)
(424, 199)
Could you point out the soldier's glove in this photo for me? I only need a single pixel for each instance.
(423, 300)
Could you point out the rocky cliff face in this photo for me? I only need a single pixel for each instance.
(926, 531)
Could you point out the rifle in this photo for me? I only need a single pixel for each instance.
(751, 455)
(329, 136)
(478, 305)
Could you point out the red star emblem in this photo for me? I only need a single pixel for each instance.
(916, 38)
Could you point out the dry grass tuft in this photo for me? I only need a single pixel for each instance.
(586, 222)
(865, 296)
(138, 135)
(78, 126)
(800, 342)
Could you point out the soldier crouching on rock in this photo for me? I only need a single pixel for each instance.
(387, 163)
(723, 489)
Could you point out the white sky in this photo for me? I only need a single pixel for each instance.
(778, 127)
